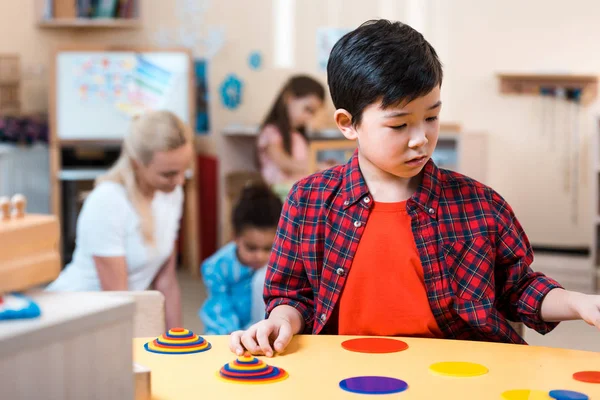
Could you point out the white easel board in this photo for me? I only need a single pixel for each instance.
(98, 92)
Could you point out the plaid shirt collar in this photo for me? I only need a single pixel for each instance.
(426, 197)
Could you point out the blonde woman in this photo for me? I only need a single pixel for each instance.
(128, 225)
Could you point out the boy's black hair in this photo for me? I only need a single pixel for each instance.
(257, 207)
(381, 61)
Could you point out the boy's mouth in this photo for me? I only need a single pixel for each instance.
(417, 159)
(416, 162)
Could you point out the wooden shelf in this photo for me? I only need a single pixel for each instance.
(531, 84)
(105, 23)
(251, 131)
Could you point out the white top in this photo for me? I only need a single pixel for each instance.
(108, 226)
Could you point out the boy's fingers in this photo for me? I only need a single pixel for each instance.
(249, 342)
(262, 335)
(235, 342)
(284, 337)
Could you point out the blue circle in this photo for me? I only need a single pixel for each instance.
(255, 60)
(567, 395)
(373, 385)
(231, 91)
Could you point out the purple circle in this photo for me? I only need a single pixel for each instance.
(567, 395)
(373, 385)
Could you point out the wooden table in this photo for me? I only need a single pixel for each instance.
(316, 364)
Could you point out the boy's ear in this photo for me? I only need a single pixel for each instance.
(343, 120)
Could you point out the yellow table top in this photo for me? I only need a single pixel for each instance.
(316, 365)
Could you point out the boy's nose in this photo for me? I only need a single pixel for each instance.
(417, 139)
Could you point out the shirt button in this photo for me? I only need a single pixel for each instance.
(347, 202)
(367, 199)
(323, 318)
(340, 271)
(431, 211)
(357, 224)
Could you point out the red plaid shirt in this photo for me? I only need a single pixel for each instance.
(474, 253)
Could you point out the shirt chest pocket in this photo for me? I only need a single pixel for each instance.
(470, 266)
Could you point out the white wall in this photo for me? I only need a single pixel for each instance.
(487, 37)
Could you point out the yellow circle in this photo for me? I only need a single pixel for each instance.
(525, 394)
(458, 369)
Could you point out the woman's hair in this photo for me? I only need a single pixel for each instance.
(297, 86)
(257, 207)
(152, 132)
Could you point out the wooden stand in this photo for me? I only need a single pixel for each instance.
(532, 84)
(29, 255)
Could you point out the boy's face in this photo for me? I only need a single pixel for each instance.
(254, 246)
(398, 140)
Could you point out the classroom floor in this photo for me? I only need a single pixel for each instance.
(574, 335)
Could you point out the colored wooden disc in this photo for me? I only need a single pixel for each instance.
(251, 370)
(568, 395)
(373, 385)
(374, 345)
(458, 369)
(587, 376)
(525, 394)
(178, 341)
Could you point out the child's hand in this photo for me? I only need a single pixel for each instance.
(588, 308)
(258, 338)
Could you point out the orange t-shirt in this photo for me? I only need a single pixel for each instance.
(384, 294)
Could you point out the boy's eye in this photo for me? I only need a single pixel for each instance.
(432, 119)
(399, 127)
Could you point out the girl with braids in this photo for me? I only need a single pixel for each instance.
(234, 276)
(282, 142)
(128, 224)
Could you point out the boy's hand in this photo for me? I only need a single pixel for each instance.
(259, 337)
(587, 307)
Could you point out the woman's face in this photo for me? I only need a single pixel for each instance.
(167, 169)
(302, 109)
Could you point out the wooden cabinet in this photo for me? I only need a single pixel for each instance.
(79, 348)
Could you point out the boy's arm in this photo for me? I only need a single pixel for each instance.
(286, 282)
(217, 314)
(564, 305)
(519, 290)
